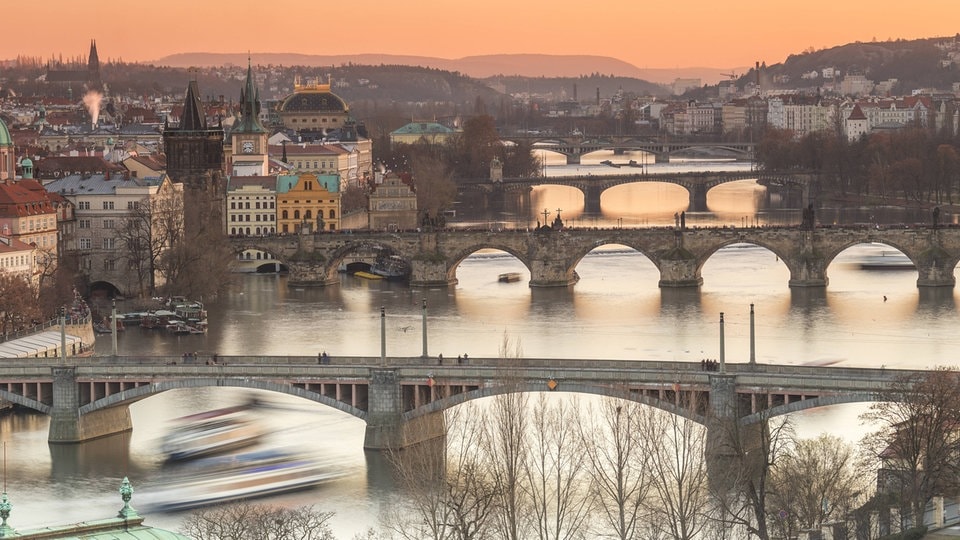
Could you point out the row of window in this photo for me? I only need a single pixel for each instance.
(248, 256)
(307, 215)
(256, 230)
(107, 205)
(313, 120)
(258, 217)
(14, 261)
(87, 243)
(87, 223)
(246, 206)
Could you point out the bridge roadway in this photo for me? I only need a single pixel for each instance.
(576, 146)
(592, 186)
(401, 399)
(552, 256)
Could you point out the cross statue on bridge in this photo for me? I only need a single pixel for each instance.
(546, 214)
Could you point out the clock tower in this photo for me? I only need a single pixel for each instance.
(250, 155)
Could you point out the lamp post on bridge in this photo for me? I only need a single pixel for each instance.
(383, 337)
(113, 326)
(723, 368)
(424, 308)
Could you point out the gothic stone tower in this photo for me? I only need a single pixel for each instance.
(194, 150)
(195, 159)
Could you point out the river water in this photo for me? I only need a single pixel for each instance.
(863, 318)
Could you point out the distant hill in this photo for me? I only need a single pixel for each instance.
(915, 63)
(525, 65)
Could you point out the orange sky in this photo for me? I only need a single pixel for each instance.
(648, 34)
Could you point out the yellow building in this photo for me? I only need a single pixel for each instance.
(308, 203)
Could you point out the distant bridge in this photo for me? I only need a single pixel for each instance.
(552, 256)
(697, 184)
(576, 146)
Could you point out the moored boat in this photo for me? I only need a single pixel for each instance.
(391, 267)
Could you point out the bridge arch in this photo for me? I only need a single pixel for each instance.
(802, 405)
(133, 395)
(538, 386)
(586, 250)
(29, 403)
(103, 287)
(252, 245)
(458, 257)
(782, 256)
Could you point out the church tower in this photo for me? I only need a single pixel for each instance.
(250, 155)
(194, 150)
(93, 67)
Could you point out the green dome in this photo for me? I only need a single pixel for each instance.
(5, 138)
(26, 162)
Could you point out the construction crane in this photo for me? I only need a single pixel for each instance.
(731, 76)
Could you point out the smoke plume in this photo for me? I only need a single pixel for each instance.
(92, 100)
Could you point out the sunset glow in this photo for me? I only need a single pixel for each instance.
(645, 34)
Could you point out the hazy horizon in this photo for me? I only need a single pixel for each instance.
(697, 34)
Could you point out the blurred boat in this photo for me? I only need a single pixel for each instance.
(212, 432)
(229, 478)
(509, 277)
(886, 260)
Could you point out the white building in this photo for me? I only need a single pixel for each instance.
(121, 225)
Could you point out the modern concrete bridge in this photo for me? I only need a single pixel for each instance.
(402, 399)
(552, 256)
(592, 186)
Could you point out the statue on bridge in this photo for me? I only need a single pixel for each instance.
(808, 218)
(936, 217)
(428, 223)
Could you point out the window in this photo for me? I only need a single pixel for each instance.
(85, 243)
(109, 243)
(108, 205)
(333, 214)
(285, 216)
(233, 217)
(233, 206)
(109, 224)
(256, 206)
(109, 264)
(247, 206)
(296, 214)
(84, 205)
(307, 215)
(83, 223)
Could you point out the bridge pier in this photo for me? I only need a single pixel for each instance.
(678, 267)
(386, 428)
(430, 273)
(935, 267)
(661, 157)
(573, 159)
(68, 426)
(698, 198)
(734, 453)
(591, 199)
(311, 275)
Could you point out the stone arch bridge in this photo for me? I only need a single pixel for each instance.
(552, 256)
(575, 147)
(592, 186)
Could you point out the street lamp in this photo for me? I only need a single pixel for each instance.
(383, 337)
(424, 308)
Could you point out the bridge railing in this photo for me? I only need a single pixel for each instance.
(40, 327)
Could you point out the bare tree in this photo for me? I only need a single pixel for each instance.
(675, 446)
(556, 478)
(244, 521)
(741, 497)
(448, 493)
(18, 302)
(916, 440)
(154, 227)
(198, 264)
(618, 466)
(507, 449)
(815, 482)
